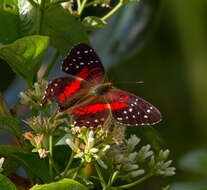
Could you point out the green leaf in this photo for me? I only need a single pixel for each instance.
(195, 161)
(59, 159)
(64, 30)
(29, 161)
(12, 125)
(28, 16)
(24, 55)
(9, 21)
(93, 23)
(65, 184)
(6, 184)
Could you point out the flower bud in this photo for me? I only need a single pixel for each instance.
(42, 153)
(38, 140)
(28, 135)
(136, 173)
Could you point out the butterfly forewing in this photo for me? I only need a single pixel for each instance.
(83, 62)
(65, 91)
(129, 109)
(93, 112)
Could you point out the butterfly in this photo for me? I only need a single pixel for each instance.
(91, 102)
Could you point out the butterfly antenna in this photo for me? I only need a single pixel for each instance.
(130, 82)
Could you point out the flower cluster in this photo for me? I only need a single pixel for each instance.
(113, 150)
(37, 142)
(34, 95)
(89, 146)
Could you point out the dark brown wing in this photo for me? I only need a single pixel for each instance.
(83, 62)
(129, 109)
(66, 91)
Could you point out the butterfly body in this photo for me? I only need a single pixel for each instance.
(90, 101)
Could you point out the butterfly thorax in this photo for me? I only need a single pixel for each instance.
(101, 89)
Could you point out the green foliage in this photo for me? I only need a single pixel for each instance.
(25, 55)
(9, 21)
(64, 30)
(64, 184)
(12, 125)
(6, 184)
(30, 162)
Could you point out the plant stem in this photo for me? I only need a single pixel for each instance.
(116, 8)
(78, 169)
(103, 183)
(69, 163)
(79, 4)
(135, 182)
(40, 16)
(51, 156)
(80, 10)
(51, 64)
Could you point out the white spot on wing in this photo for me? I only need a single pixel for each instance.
(148, 111)
(130, 109)
(145, 116)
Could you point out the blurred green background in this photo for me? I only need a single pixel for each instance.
(170, 56)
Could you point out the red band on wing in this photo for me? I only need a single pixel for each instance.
(92, 109)
(85, 72)
(73, 87)
(119, 104)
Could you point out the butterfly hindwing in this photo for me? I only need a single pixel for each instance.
(83, 62)
(93, 112)
(129, 109)
(65, 91)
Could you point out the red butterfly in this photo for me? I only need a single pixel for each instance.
(89, 100)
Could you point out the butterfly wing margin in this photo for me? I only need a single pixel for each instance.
(83, 62)
(129, 109)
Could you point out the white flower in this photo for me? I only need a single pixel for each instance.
(1, 163)
(136, 173)
(132, 142)
(94, 150)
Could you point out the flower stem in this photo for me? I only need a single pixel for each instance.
(51, 156)
(82, 6)
(78, 169)
(116, 8)
(69, 163)
(51, 64)
(135, 182)
(103, 183)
